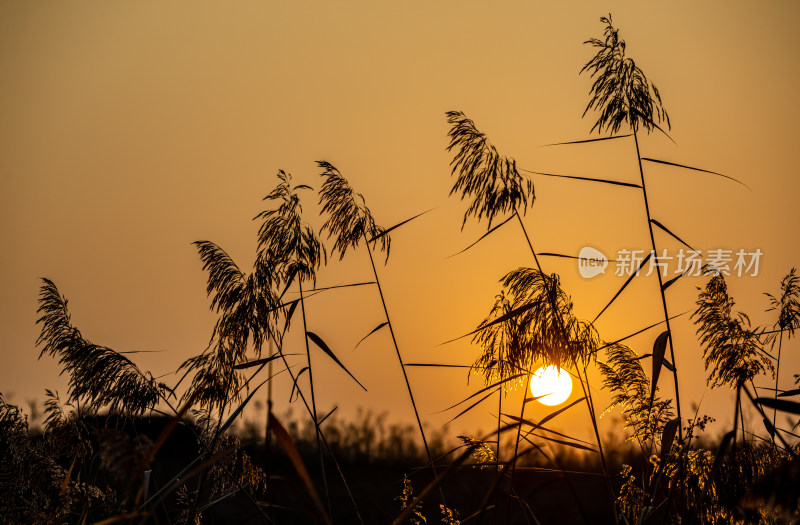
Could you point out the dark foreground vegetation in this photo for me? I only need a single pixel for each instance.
(124, 447)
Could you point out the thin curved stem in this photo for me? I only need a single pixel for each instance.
(403, 368)
(313, 400)
(777, 378)
(660, 289)
(681, 466)
(516, 445)
(586, 393)
(321, 434)
(497, 453)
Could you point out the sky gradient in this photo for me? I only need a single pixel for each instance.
(131, 129)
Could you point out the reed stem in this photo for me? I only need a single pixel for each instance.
(403, 368)
(313, 400)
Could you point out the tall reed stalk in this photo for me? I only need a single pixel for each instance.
(495, 187)
(787, 304)
(584, 381)
(661, 288)
(622, 94)
(350, 221)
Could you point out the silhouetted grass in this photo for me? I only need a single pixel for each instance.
(123, 447)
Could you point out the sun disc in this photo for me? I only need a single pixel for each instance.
(551, 385)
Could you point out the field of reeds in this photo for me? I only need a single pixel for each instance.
(121, 446)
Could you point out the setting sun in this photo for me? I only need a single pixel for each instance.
(551, 385)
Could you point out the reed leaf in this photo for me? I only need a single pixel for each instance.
(659, 347)
(317, 340)
(538, 426)
(399, 224)
(288, 446)
(559, 411)
(784, 405)
(587, 179)
(585, 141)
(482, 390)
(669, 232)
(295, 386)
(381, 325)
(627, 282)
(482, 237)
(646, 328)
(257, 362)
(473, 405)
(666, 163)
(668, 435)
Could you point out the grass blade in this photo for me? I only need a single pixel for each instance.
(325, 348)
(649, 121)
(219, 499)
(671, 281)
(328, 414)
(351, 285)
(588, 179)
(288, 446)
(387, 230)
(634, 334)
(551, 254)
(656, 161)
(442, 365)
(668, 436)
(547, 438)
(257, 362)
(783, 405)
(659, 347)
(566, 443)
(296, 379)
(239, 409)
(587, 140)
(482, 237)
(510, 315)
(789, 393)
(634, 274)
(476, 403)
(768, 426)
(666, 230)
(559, 411)
(482, 390)
(372, 332)
(535, 426)
(66, 478)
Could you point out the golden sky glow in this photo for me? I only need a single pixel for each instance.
(131, 129)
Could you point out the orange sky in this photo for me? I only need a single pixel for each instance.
(131, 129)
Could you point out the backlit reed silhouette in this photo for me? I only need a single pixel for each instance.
(251, 307)
(99, 377)
(625, 99)
(787, 306)
(493, 186)
(349, 222)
